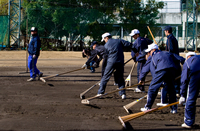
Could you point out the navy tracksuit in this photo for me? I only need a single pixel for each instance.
(34, 49)
(162, 68)
(115, 61)
(140, 45)
(177, 60)
(190, 81)
(92, 59)
(172, 46)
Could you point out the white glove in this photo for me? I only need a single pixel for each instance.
(84, 66)
(182, 100)
(34, 56)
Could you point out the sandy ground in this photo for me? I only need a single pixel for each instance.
(56, 105)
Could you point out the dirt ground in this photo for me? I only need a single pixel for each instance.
(56, 105)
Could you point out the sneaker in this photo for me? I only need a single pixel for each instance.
(40, 75)
(92, 71)
(173, 111)
(162, 104)
(145, 109)
(123, 96)
(115, 84)
(185, 126)
(137, 90)
(31, 79)
(99, 95)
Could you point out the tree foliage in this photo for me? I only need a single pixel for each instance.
(4, 7)
(58, 18)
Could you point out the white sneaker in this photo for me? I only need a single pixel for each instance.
(31, 79)
(185, 126)
(137, 90)
(123, 96)
(162, 104)
(173, 111)
(100, 95)
(115, 84)
(145, 109)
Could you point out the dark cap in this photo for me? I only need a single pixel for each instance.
(168, 28)
(93, 43)
(34, 29)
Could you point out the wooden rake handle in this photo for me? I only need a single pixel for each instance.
(152, 35)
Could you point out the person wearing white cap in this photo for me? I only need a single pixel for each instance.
(190, 81)
(34, 52)
(162, 68)
(115, 61)
(140, 45)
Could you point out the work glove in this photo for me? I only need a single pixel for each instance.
(182, 100)
(84, 66)
(34, 56)
(95, 64)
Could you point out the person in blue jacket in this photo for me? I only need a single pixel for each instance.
(172, 46)
(140, 45)
(115, 61)
(190, 81)
(34, 52)
(162, 68)
(92, 58)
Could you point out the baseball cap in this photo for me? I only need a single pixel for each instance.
(134, 32)
(105, 35)
(34, 29)
(190, 53)
(169, 28)
(93, 43)
(151, 47)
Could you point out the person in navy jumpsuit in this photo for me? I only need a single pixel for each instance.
(162, 68)
(34, 52)
(115, 61)
(172, 46)
(140, 45)
(190, 81)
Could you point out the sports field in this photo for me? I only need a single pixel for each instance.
(56, 105)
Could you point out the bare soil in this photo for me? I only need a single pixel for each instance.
(56, 105)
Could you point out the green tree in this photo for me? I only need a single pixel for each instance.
(4, 7)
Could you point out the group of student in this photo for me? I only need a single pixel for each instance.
(163, 65)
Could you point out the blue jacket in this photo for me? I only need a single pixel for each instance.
(191, 66)
(114, 50)
(160, 60)
(34, 46)
(140, 44)
(172, 44)
(93, 57)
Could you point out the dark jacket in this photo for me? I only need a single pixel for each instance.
(34, 46)
(172, 44)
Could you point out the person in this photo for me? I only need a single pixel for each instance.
(34, 52)
(140, 45)
(172, 46)
(190, 81)
(162, 68)
(101, 52)
(92, 58)
(115, 61)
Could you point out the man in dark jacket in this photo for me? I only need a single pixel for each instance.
(34, 52)
(190, 81)
(162, 68)
(115, 61)
(140, 45)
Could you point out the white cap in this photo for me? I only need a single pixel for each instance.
(134, 32)
(190, 53)
(151, 47)
(105, 35)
